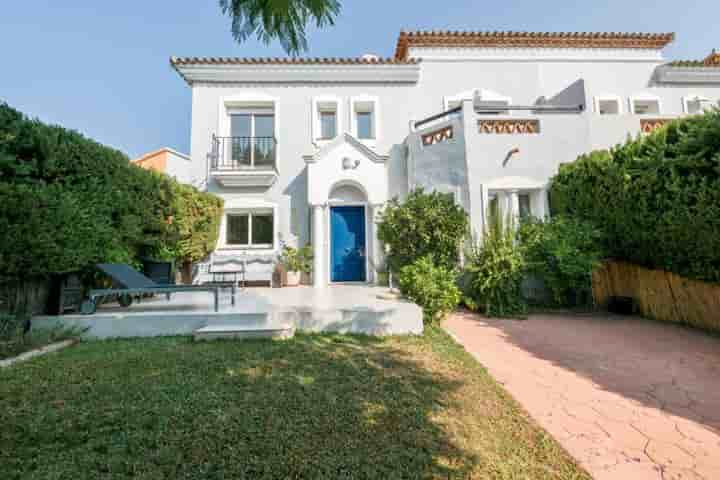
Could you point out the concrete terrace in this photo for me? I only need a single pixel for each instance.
(337, 308)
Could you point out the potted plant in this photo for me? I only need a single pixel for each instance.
(306, 259)
(292, 264)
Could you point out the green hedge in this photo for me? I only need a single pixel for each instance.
(656, 198)
(69, 202)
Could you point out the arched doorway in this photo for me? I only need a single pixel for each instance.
(348, 253)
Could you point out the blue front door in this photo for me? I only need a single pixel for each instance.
(347, 244)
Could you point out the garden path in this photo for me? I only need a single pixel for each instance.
(629, 398)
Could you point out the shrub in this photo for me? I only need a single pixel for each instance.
(431, 286)
(296, 259)
(424, 224)
(70, 202)
(563, 252)
(656, 198)
(494, 272)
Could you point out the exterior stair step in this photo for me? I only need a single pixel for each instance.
(214, 332)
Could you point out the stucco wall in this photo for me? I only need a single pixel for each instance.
(527, 76)
(293, 105)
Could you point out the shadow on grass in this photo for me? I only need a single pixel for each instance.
(313, 407)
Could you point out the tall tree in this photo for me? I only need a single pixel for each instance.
(284, 20)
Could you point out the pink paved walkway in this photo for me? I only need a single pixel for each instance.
(628, 398)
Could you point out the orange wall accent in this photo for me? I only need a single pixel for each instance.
(153, 161)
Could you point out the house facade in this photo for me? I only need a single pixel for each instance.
(308, 151)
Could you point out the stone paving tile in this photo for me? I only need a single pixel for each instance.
(628, 398)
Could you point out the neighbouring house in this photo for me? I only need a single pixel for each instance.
(168, 161)
(308, 150)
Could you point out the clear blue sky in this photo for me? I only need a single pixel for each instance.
(102, 67)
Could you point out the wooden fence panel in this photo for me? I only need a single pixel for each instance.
(659, 294)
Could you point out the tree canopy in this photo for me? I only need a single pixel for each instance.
(282, 20)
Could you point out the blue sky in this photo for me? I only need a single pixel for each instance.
(102, 67)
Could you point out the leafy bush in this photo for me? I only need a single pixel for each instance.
(656, 198)
(424, 224)
(296, 259)
(70, 202)
(431, 286)
(494, 271)
(563, 252)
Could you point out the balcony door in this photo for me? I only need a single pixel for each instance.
(252, 139)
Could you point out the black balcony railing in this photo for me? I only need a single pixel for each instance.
(243, 153)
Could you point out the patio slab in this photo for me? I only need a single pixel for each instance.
(627, 397)
(337, 308)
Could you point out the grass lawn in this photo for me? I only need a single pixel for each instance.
(14, 345)
(317, 406)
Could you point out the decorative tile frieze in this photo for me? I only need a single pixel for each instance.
(509, 127)
(647, 125)
(442, 135)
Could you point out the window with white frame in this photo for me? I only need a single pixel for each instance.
(252, 137)
(645, 105)
(326, 118)
(250, 229)
(695, 104)
(524, 205)
(365, 118)
(608, 105)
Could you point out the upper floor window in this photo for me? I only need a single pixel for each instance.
(645, 105)
(608, 105)
(252, 138)
(326, 118)
(328, 124)
(365, 118)
(695, 104)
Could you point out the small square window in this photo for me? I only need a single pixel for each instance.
(646, 107)
(697, 105)
(328, 124)
(365, 127)
(525, 209)
(608, 107)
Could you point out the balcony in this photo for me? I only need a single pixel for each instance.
(244, 161)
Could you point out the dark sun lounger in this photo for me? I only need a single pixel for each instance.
(130, 282)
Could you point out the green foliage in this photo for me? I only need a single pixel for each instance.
(297, 260)
(424, 224)
(284, 20)
(563, 252)
(494, 271)
(70, 202)
(432, 287)
(656, 198)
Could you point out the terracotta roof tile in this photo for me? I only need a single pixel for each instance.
(176, 61)
(434, 38)
(711, 61)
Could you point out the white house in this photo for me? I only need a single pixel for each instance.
(308, 150)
